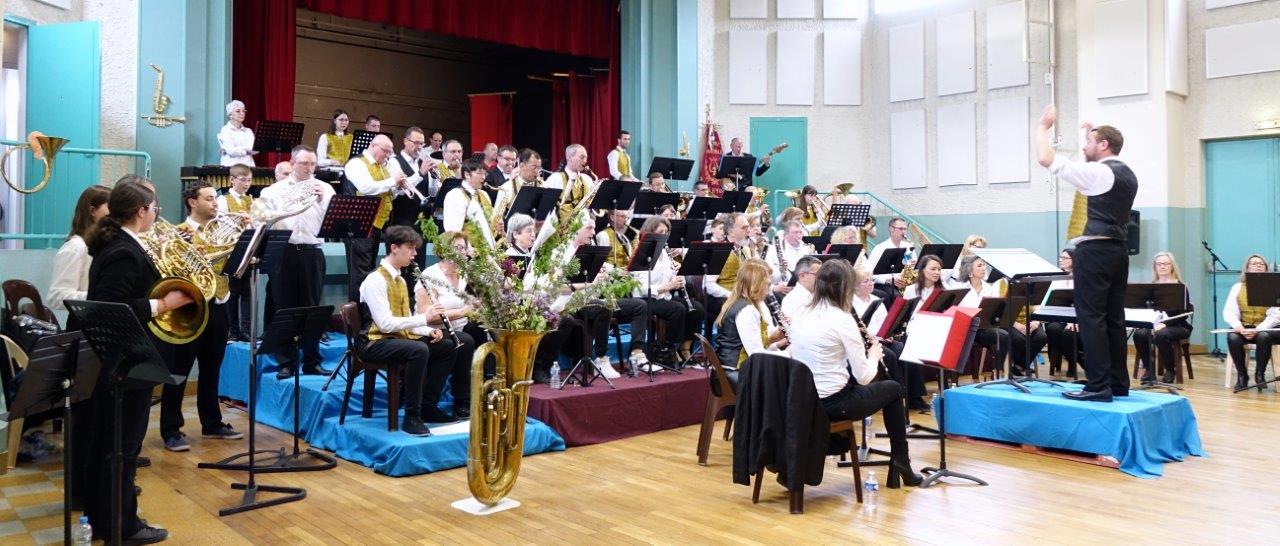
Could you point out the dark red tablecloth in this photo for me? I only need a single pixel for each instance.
(596, 414)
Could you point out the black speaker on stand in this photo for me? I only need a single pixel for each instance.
(1134, 229)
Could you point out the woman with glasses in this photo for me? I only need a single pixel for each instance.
(660, 286)
(235, 141)
(1164, 271)
(444, 290)
(1063, 339)
(334, 146)
(1245, 321)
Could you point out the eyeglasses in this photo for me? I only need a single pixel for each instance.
(156, 208)
(242, 177)
(419, 142)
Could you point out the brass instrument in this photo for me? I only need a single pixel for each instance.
(498, 409)
(920, 239)
(43, 148)
(683, 152)
(184, 268)
(160, 104)
(217, 237)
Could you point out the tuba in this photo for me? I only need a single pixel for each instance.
(498, 409)
(43, 148)
(184, 268)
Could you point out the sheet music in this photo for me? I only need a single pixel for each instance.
(1016, 261)
(926, 337)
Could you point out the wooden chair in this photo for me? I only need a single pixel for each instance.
(722, 395)
(1181, 355)
(797, 495)
(352, 326)
(17, 290)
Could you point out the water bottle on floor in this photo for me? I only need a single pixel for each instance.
(870, 492)
(82, 534)
(555, 375)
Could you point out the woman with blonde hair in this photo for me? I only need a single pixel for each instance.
(745, 326)
(1245, 320)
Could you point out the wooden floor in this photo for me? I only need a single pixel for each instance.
(650, 490)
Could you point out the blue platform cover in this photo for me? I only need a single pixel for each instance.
(361, 440)
(1142, 431)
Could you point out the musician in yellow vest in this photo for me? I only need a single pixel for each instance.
(619, 237)
(237, 202)
(470, 202)
(334, 147)
(451, 165)
(619, 160)
(397, 335)
(575, 178)
(371, 175)
(718, 287)
(1249, 325)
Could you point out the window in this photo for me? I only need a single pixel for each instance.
(12, 123)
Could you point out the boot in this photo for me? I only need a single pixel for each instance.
(413, 425)
(1260, 377)
(1242, 376)
(900, 471)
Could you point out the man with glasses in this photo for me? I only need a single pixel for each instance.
(371, 175)
(505, 168)
(406, 208)
(888, 285)
(798, 299)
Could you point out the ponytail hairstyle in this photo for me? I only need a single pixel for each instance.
(91, 198)
(126, 198)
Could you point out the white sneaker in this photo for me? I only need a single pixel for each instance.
(650, 368)
(605, 368)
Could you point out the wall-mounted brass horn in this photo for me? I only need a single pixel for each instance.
(43, 148)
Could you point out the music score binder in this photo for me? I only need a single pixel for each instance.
(939, 339)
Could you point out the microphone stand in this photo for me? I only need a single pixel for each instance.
(1214, 262)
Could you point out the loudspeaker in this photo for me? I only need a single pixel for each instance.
(1134, 228)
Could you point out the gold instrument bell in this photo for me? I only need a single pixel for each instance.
(43, 148)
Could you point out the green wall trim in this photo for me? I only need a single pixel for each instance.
(659, 78)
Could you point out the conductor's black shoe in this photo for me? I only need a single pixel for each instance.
(148, 535)
(414, 426)
(435, 415)
(462, 410)
(284, 373)
(1089, 396)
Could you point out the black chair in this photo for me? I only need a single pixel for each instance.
(352, 325)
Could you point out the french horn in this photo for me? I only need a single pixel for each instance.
(43, 148)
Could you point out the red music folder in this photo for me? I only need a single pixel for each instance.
(942, 339)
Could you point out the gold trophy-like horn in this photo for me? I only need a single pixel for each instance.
(43, 148)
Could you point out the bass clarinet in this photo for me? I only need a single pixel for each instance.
(445, 324)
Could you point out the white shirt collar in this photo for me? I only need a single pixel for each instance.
(134, 235)
(386, 264)
(231, 192)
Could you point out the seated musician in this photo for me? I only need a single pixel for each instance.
(334, 146)
(396, 335)
(928, 280)
(668, 212)
(238, 202)
(283, 170)
(520, 235)
(446, 291)
(890, 283)
(621, 238)
(718, 287)
(716, 231)
(504, 168)
(834, 346)
(683, 315)
(1243, 320)
(1062, 337)
(745, 326)
(526, 172)
(656, 183)
(953, 278)
(801, 294)
(994, 340)
(700, 189)
(907, 373)
(814, 217)
(1166, 334)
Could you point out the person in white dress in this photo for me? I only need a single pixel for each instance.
(235, 141)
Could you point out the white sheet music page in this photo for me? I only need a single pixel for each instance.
(926, 337)
(1016, 261)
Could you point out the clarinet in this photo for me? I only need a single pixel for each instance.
(681, 292)
(867, 342)
(445, 324)
(775, 309)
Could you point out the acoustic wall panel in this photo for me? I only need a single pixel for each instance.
(1005, 67)
(1120, 48)
(842, 68)
(844, 9)
(907, 150)
(748, 9)
(955, 54)
(794, 67)
(1248, 48)
(796, 9)
(1008, 141)
(957, 145)
(1175, 46)
(1211, 4)
(747, 61)
(906, 62)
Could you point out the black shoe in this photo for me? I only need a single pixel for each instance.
(435, 415)
(144, 462)
(1242, 382)
(1089, 396)
(414, 426)
(148, 535)
(1167, 377)
(1260, 378)
(316, 370)
(284, 373)
(462, 410)
(900, 472)
(918, 404)
(1148, 380)
(1118, 393)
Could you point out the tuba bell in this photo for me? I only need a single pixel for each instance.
(43, 148)
(498, 409)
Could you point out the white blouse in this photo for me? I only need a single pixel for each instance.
(877, 318)
(828, 342)
(974, 297)
(913, 291)
(70, 273)
(448, 298)
(748, 322)
(235, 146)
(663, 271)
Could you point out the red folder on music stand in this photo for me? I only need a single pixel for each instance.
(941, 339)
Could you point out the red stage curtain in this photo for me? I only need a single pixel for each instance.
(594, 111)
(262, 62)
(559, 125)
(490, 120)
(538, 24)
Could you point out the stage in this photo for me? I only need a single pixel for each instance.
(1141, 431)
(597, 414)
(360, 440)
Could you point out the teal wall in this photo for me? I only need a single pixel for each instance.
(659, 78)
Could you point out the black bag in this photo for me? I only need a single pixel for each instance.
(662, 353)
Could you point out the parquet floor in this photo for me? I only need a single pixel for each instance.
(650, 489)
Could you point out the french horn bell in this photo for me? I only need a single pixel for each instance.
(43, 148)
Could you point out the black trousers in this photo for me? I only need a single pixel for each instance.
(1018, 355)
(1062, 343)
(856, 401)
(994, 340)
(682, 322)
(635, 311)
(1262, 344)
(362, 258)
(297, 282)
(567, 337)
(906, 373)
(237, 308)
(1101, 274)
(133, 427)
(1165, 339)
(208, 350)
(427, 365)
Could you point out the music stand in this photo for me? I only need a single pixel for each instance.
(849, 214)
(535, 202)
(672, 168)
(945, 299)
(684, 232)
(125, 349)
(349, 217)
(738, 168)
(1024, 269)
(822, 240)
(1159, 297)
(890, 262)
(61, 370)
(707, 208)
(360, 140)
(898, 316)
(648, 202)
(1264, 291)
(615, 195)
(738, 201)
(949, 254)
(646, 254)
(277, 136)
(590, 259)
(849, 252)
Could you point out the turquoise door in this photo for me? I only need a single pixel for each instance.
(1241, 181)
(63, 89)
(788, 169)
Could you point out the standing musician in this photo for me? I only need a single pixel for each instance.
(744, 326)
(397, 335)
(504, 168)
(436, 143)
(575, 178)
(889, 284)
(762, 164)
(208, 348)
(1101, 253)
(521, 233)
(235, 141)
(995, 340)
(785, 253)
(299, 277)
(371, 174)
(409, 205)
(620, 237)
(469, 202)
(719, 287)
(334, 146)
(283, 170)
(815, 217)
(1242, 318)
(682, 314)
(122, 272)
(489, 156)
(237, 202)
(1063, 338)
(620, 160)
(527, 173)
(844, 362)
(1165, 271)
(373, 124)
(447, 290)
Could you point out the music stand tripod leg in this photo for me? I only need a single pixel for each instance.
(941, 471)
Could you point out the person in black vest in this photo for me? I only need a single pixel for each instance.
(1101, 258)
(405, 208)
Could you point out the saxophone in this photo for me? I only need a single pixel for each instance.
(159, 103)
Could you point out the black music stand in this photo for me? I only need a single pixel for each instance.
(898, 322)
(1264, 291)
(738, 201)
(61, 370)
(849, 252)
(615, 195)
(277, 136)
(349, 217)
(822, 240)
(360, 140)
(644, 258)
(1160, 297)
(649, 202)
(849, 214)
(707, 208)
(590, 259)
(125, 349)
(672, 168)
(1025, 270)
(684, 232)
(945, 299)
(740, 169)
(949, 254)
(890, 262)
(704, 258)
(535, 202)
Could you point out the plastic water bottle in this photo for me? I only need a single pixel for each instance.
(555, 375)
(870, 492)
(82, 534)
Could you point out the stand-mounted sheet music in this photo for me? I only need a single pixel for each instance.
(1018, 263)
(849, 214)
